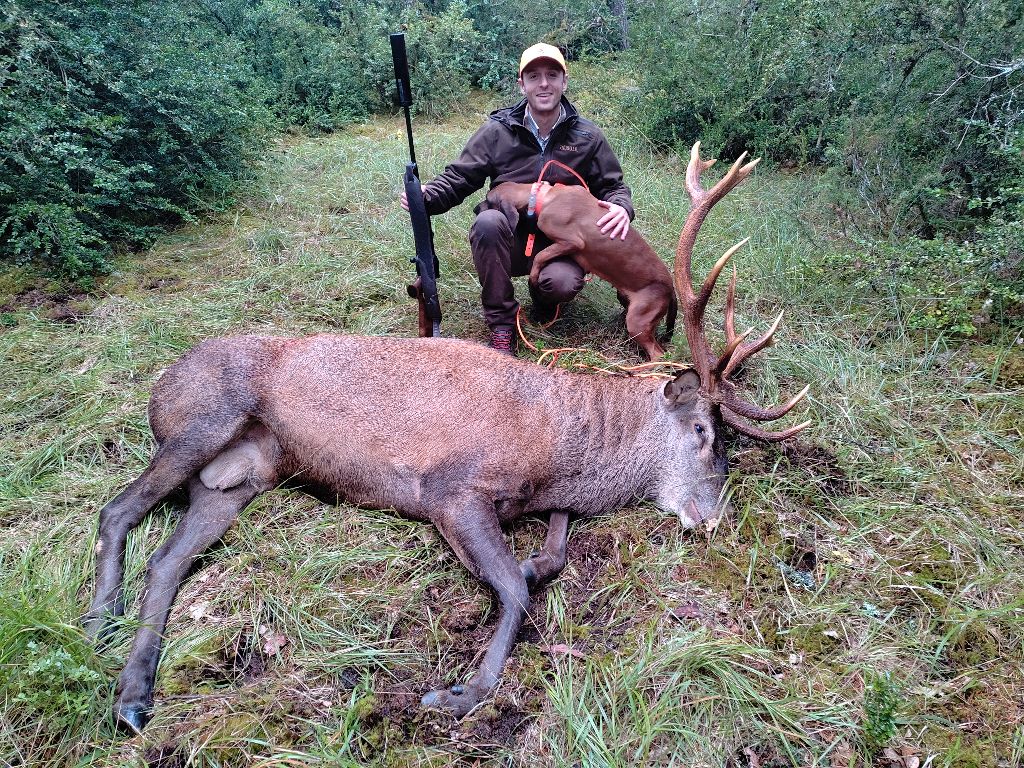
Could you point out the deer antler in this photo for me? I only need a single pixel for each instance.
(714, 370)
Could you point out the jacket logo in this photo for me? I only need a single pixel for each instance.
(569, 148)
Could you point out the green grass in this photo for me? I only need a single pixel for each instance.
(867, 593)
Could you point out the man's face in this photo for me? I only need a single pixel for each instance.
(543, 83)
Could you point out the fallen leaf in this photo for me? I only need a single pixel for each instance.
(689, 610)
(561, 649)
(273, 643)
(843, 756)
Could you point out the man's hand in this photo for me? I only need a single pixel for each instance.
(615, 223)
(404, 199)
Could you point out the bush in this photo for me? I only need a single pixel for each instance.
(905, 99)
(945, 284)
(119, 118)
(312, 64)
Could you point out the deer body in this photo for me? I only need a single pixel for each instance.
(373, 421)
(440, 430)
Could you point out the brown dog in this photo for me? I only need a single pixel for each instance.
(568, 216)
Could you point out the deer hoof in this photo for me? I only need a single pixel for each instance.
(132, 718)
(456, 700)
(529, 571)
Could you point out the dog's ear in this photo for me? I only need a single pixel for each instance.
(495, 201)
(510, 213)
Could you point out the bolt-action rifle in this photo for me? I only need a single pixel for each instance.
(424, 288)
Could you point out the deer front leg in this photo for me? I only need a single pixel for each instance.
(549, 562)
(476, 537)
(554, 251)
(208, 518)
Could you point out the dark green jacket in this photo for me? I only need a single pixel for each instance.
(504, 149)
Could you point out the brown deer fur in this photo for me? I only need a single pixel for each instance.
(568, 216)
(441, 430)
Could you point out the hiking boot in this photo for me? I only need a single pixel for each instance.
(541, 312)
(503, 339)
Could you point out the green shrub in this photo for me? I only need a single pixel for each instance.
(51, 683)
(881, 700)
(943, 284)
(118, 118)
(904, 99)
(312, 64)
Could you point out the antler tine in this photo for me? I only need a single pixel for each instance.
(712, 278)
(694, 304)
(730, 309)
(723, 359)
(694, 169)
(748, 410)
(740, 354)
(762, 434)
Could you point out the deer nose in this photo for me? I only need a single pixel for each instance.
(689, 515)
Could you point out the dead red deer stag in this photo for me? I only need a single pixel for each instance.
(440, 430)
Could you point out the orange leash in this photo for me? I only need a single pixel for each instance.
(612, 368)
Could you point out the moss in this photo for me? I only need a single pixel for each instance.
(974, 644)
(364, 707)
(936, 568)
(934, 574)
(811, 640)
(808, 639)
(773, 637)
(959, 751)
(760, 529)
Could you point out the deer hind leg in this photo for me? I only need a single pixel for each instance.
(169, 469)
(208, 518)
(177, 459)
(476, 537)
(549, 562)
(646, 308)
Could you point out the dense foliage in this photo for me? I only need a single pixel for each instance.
(922, 105)
(116, 117)
(119, 117)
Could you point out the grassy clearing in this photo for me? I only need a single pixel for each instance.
(865, 596)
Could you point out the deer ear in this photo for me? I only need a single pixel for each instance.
(682, 390)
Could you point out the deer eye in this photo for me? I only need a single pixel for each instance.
(699, 429)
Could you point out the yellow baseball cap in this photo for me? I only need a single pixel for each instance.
(541, 51)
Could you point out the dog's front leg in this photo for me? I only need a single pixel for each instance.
(554, 251)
